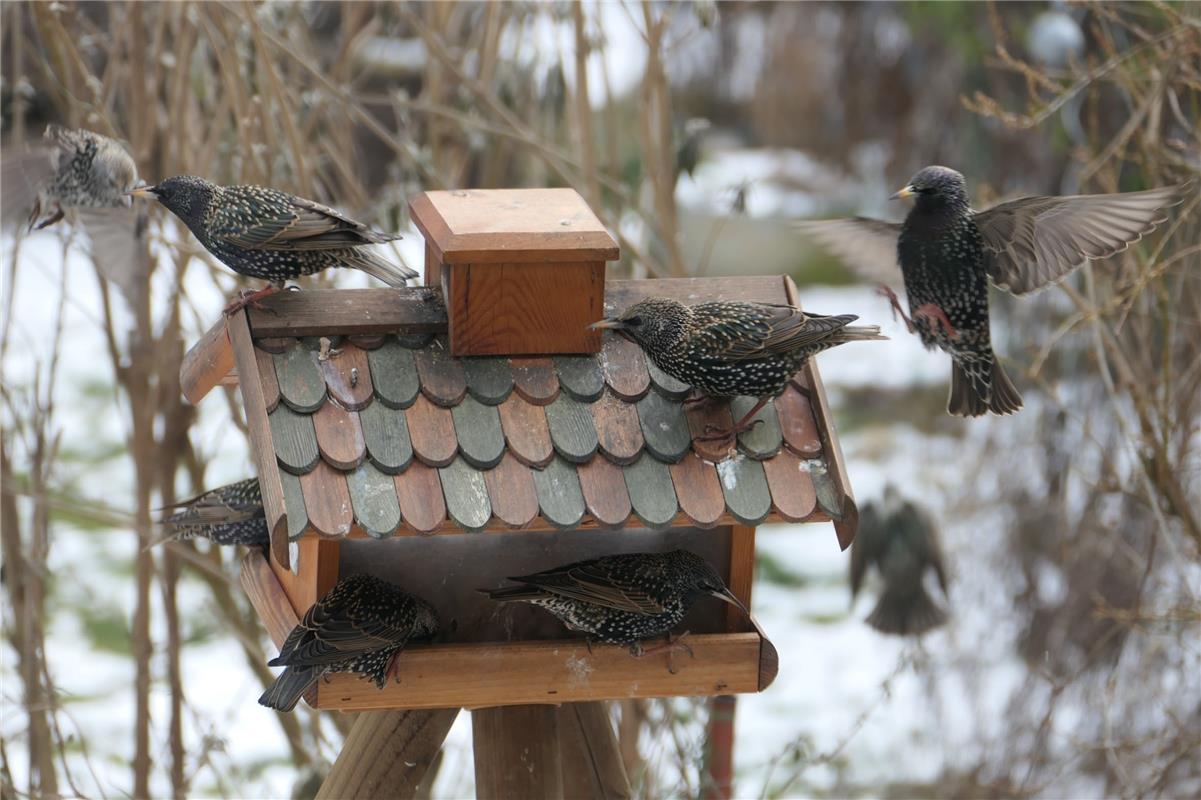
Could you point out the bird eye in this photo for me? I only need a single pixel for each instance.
(634, 321)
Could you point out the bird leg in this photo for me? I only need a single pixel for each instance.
(886, 291)
(392, 671)
(714, 433)
(937, 317)
(251, 299)
(672, 644)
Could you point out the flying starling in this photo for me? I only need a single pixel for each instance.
(901, 541)
(949, 253)
(360, 626)
(231, 514)
(271, 235)
(622, 599)
(730, 349)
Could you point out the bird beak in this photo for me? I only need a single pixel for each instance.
(611, 324)
(728, 596)
(141, 191)
(908, 191)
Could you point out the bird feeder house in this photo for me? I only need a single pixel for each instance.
(448, 436)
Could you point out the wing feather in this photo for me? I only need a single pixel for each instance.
(867, 246)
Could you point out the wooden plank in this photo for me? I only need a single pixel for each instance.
(339, 436)
(742, 575)
(301, 384)
(764, 440)
(420, 495)
(477, 428)
(624, 367)
(717, 770)
(702, 416)
(511, 492)
(698, 490)
(498, 225)
(432, 432)
(559, 494)
(664, 383)
(489, 379)
(535, 379)
(466, 495)
(294, 438)
(268, 597)
(433, 267)
(373, 498)
(652, 493)
(571, 429)
(581, 376)
(348, 377)
(327, 500)
(262, 440)
(797, 423)
(792, 490)
(517, 753)
(664, 427)
(618, 431)
(394, 374)
(525, 308)
(606, 497)
(314, 572)
(745, 487)
(267, 378)
(206, 363)
(388, 754)
(591, 759)
(526, 431)
(549, 672)
(349, 312)
(387, 436)
(442, 377)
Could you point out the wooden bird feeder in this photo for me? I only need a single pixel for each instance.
(374, 440)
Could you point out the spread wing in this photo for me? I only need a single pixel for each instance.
(746, 331)
(867, 246)
(924, 539)
(596, 582)
(1032, 242)
(259, 218)
(24, 171)
(868, 545)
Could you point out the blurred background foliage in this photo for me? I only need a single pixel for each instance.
(695, 129)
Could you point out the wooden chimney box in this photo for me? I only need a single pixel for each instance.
(522, 270)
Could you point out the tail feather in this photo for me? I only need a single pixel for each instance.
(514, 594)
(858, 333)
(905, 612)
(288, 688)
(392, 274)
(977, 391)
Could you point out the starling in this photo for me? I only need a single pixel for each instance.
(232, 514)
(726, 349)
(271, 235)
(621, 599)
(360, 626)
(901, 541)
(948, 253)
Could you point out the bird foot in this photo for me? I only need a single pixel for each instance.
(392, 671)
(884, 290)
(672, 644)
(48, 221)
(716, 433)
(251, 299)
(935, 316)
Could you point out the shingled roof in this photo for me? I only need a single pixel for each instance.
(380, 433)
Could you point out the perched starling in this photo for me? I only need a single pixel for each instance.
(731, 349)
(360, 626)
(71, 168)
(948, 253)
(621, 599)
(268, 234)
(901, 541)
(232, 514)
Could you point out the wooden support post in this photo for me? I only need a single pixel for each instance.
(387, 754)
(517, 753)
(592, 765)
(717, 778)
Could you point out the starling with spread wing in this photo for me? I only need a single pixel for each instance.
(726, 349)
(901, 541)
(268, 234)
(227, 515)
(948, 254)
(622, 599)
(361, 625)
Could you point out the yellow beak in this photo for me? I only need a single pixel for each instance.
(901, 195)
(607, 324)
(141, 191)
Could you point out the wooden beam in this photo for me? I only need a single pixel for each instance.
(349, 312)
(742, 574)
(207, 363)
(591, 760)
(517, 753)
(387, 754)
(717, 774)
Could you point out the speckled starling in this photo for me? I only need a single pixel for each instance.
(948, 253)
(726, 349)
(231, 514)
(901, 541)
(622, 599)
(361, 625)
(268, 234)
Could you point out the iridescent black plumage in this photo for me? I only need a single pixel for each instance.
(268, 234)
(621, 599)
(231, 514)
(726, 349)
(360, 626)
(901, 541)
(949, 253)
